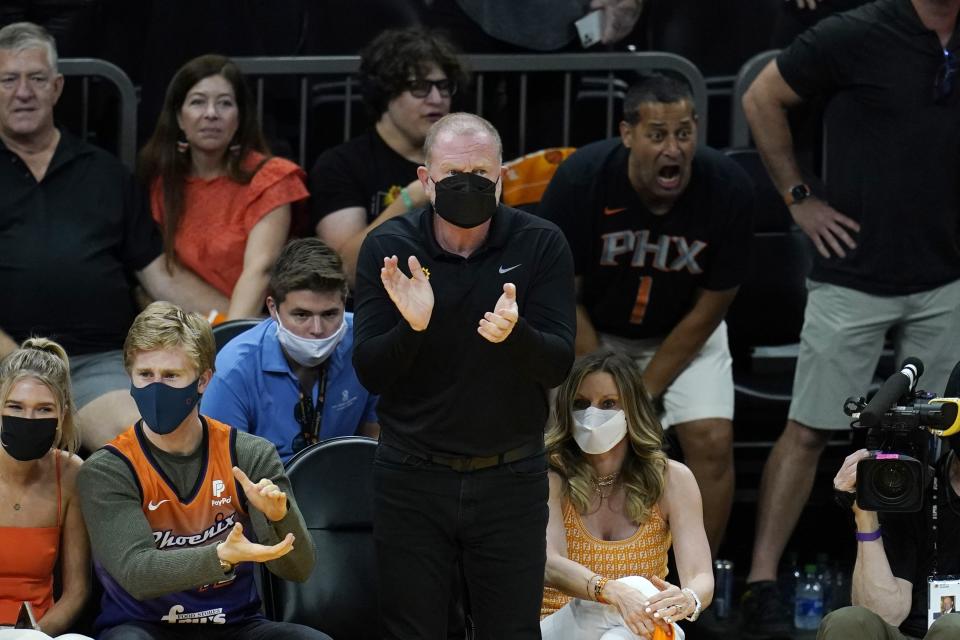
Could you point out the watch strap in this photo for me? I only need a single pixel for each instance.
(801, 188)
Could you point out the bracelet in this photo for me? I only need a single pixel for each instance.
(407, 200)
(869, 537)
(696, 600)
(598, 590)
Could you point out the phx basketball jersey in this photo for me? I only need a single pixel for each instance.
(204, 517)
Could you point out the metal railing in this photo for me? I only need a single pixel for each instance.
(87, 68)
(601, 68)
(480, 65)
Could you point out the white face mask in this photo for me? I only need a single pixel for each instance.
(598, 430)
(309, 352)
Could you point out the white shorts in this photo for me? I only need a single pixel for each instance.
(588, 620)
(703, 390)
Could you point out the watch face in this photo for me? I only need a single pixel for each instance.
(800, 193)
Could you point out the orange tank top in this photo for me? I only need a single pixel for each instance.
(642, 554)
(27, 559)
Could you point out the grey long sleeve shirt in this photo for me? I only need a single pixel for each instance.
(122, 540)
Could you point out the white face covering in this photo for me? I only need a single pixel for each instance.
(598, 430)
(309, 352)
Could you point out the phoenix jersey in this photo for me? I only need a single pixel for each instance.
(204, 517)
(641, 271)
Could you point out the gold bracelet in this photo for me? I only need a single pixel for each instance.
(598, 590)
(590, 580)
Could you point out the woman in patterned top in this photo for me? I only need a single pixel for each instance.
(616, 505)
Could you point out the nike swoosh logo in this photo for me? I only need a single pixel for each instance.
(154, 507)
(607, 211)
(502, 270)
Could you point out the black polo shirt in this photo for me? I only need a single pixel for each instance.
(447, 390)
(892, 150)
(69, 245)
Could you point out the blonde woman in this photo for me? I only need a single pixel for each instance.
(40, 517)
(617, 504)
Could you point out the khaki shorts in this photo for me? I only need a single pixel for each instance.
(703, 390)
(842, 340)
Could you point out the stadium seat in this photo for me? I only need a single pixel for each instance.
(333, 483)
(227, 331)
(765, 319)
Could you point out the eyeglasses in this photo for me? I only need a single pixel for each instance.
(943, 82)
(421, 88)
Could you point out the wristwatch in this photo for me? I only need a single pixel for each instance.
(226, 566)
(696, 611)
(797, 194)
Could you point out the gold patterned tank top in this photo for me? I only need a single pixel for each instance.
(642, 554)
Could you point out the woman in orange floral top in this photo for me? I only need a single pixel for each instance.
(616, 506)
(223, 203)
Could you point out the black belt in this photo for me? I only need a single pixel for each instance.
(464, 463)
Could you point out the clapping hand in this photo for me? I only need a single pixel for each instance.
(496, 326)
(412, 296)
(236, 548)
(264, 496)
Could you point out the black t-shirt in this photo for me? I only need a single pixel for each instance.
(641, 271)
(892, 152)
(69, 245)
(363, 172)
(909, 547)
(447, 390)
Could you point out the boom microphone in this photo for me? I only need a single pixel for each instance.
(896, 386)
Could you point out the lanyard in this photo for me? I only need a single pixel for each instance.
(312, 415)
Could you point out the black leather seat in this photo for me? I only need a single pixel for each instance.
(227, 331)
(333, 484)
(768, 309)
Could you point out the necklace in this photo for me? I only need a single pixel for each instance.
(602, 485)
(16, 506)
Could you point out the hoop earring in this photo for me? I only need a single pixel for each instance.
(182, 145)
(234, 148)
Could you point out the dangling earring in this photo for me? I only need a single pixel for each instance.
(182, 145)
(234, 148)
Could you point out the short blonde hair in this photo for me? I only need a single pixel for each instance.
(164, 325)
(46, 361)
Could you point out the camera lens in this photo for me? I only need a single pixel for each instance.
(892, 480)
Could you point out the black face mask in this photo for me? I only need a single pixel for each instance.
(163, 407)
(466, 200)
(27, 438)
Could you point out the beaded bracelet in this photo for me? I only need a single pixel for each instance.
(598, 590)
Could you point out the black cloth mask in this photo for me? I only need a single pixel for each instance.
(163, 407)
(466, 200)
(27, 438)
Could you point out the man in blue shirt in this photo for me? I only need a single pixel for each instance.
(290, 379)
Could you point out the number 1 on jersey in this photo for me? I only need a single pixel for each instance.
(643, 298)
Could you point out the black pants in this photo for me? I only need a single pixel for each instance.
(258, 629)
(427, 516)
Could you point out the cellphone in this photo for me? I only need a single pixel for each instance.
(590, 28)
(26, 619)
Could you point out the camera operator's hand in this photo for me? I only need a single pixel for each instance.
(846, 478)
